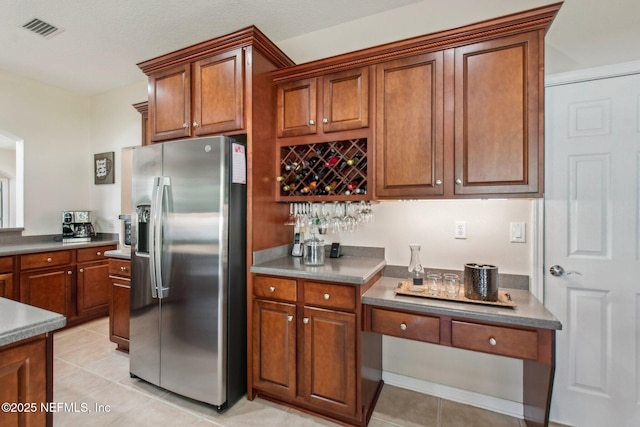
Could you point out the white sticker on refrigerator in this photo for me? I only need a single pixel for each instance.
(239, 166)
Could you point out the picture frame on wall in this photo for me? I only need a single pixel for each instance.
(103, 168)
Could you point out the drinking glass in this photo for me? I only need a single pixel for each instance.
(452, 285)
(433, 282)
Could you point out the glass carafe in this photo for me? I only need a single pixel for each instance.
(415, 267)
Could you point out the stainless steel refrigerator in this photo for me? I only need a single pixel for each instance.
(188, 268)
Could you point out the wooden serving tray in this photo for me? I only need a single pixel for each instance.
(504, 299)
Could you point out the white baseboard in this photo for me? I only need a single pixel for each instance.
(495, 404)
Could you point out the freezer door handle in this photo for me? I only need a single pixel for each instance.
(158, 289)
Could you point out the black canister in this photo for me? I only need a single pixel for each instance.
(481, 282)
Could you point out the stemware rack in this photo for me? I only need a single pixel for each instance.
(336, 170)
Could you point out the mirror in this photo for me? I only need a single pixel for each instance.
(11, 181)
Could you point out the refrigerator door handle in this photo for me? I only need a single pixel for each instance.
(155, 253)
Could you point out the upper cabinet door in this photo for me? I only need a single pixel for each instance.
(345, 100)
(409, 126)
(498, 116)
(170, 103)
(297, 108)
(218, 95)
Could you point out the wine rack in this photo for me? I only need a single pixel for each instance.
(334, 170)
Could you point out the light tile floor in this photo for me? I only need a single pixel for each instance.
(89, 374)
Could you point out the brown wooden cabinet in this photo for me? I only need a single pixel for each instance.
(7, 283)
(205, 97)
(308, 350)
(26, 379)
(498, 116)
(343, 105)
(410, 126)
(484, 137)
(119, 302)
(74, 283)
(92, 281)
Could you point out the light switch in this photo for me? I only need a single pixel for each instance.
(518, 232)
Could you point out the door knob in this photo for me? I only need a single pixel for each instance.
(558, 271)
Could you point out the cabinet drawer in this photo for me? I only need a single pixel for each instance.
(328, 295)
(119, 267)
(45, 259)
(95, 253)
(274, 288)
(6, 264)
(405, 325)
(503, 341)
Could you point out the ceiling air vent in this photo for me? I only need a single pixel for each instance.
(42, 28)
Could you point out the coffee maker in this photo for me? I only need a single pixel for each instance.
(77, 227)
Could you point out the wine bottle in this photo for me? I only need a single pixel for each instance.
(355, 183)
(355, 159)
(331, 186)
(291, 166)
(332, 161)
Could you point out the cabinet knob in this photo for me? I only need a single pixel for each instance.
(326, 296)
(493, 341)
(289, 318)
(272, 288)
(312, 122)
(99, 253)
(305, 320)
(49, 259)
(458, 181)
(438, 182)
(403, 326)
(70, 272)
(195, 124)
(184, 125)
(325, 120)
(81, 270)
(123, 268)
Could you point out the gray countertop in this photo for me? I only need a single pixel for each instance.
(122, 253)
(27, 248)
(528, 311)
(346, 269)
(21, 321)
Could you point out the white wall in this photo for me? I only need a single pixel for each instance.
(54, 125)
(115, 124)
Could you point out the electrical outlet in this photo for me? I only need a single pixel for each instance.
(518, 232)
(460, 231)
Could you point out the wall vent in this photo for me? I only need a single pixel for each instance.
(42, 28)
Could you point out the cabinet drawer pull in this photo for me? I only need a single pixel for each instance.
(289, 318)
(123, 268)
(49, 259)
(493, 341)
(326, 296)
(403, 326)
(305, 320)
(272, 288)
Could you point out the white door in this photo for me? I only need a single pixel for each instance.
(592, 222)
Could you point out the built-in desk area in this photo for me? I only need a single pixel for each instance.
(526, 332)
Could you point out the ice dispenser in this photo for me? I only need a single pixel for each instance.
(143, 214)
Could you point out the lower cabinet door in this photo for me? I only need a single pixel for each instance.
(274, 348)
(93, 288)
(51, 289)
(329, 361)
(119, 305)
